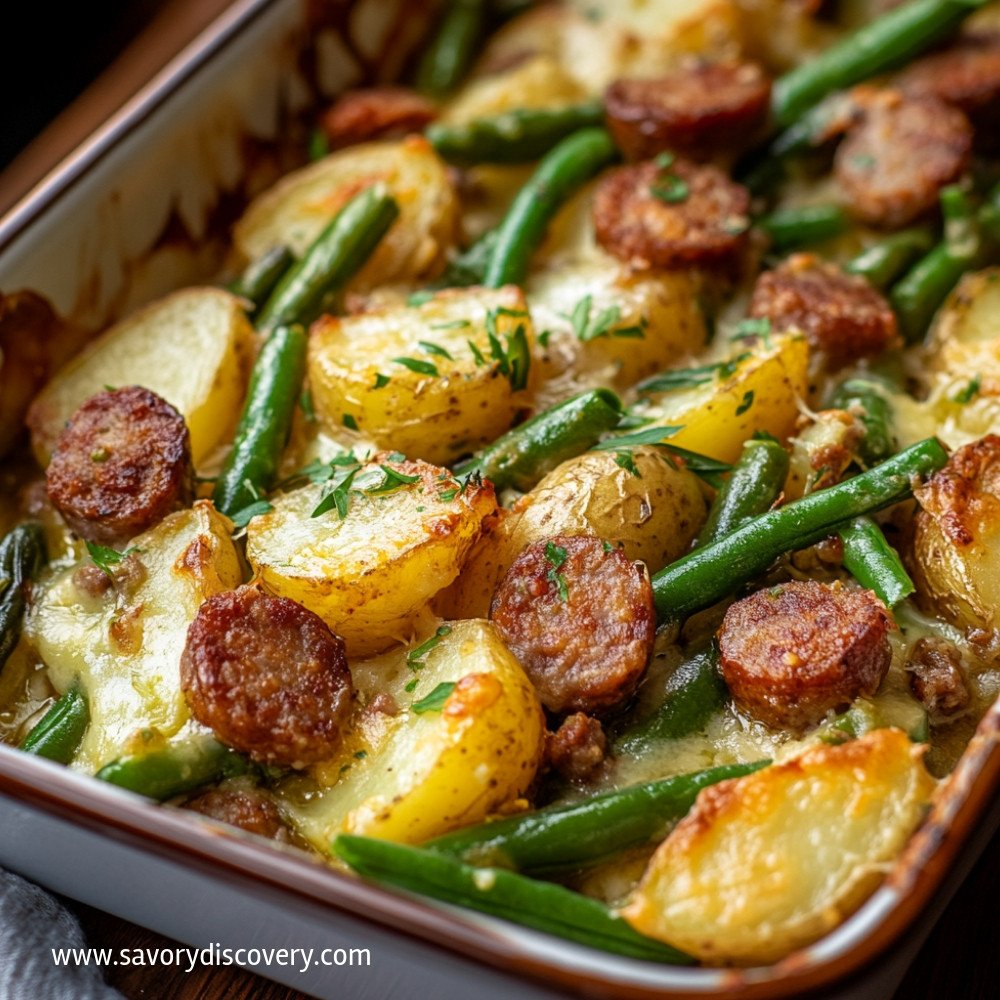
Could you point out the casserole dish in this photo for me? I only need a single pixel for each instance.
(123, 257)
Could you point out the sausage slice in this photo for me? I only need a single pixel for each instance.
(242, 806)
(894, 162)
(936, 679)
(121, 465)
(792, 653)
(267, 676)
(579, 616)
(704, 109)
(576, 750)
(841, 314)
(375, 113)
(671, 213)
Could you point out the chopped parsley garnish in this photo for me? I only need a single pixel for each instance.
(415, 657)
(606, 323)
(338, 496)
(434, 702)
(514, 359)
(360, 754)
(746, 403)
(555, 556)
(393, 481)
(543, 338)
(703, 466)
(419, 298)
(624, 460)
(242, 517)
(758, 327)
(969, 393)
(349, 422)
(418, 366)
(381, 381)
(477, 354)
(431, 348)
(105, 557)
(670, 189)
(455, 324)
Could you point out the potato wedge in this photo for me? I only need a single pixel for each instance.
(194, 348)
(125, 644)
(370, 574)
(762, 393)
(956, 542)
(294, 211)
(770, 862)
(653, 516)
(423, 379)
(419, 774)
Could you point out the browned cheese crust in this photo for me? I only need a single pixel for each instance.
(376, 113)
(585, 651)
(576, 750)
(794, 652)
(700, 110)
(895, 160)
(245, 807)
(267, 676)
(843, 316)
(680, 215)
(121, 465)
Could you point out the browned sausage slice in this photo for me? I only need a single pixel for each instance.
(966, 75)
(842, 314)
(376, 113)
(267, 676)
(577, 748)
(936, 678)
(121, 464)
(579, 616)
(701, 110)
(794, 652)
(671, 213)
(894, 162)
(241, 805)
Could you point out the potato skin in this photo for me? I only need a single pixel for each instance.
(370, 575)
(956, 543)
(768, 863)
(357, 378)
(653, 517)
(409, 776)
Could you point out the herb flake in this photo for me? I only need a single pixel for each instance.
(435, 701)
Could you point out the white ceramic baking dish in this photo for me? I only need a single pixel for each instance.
(129, 216)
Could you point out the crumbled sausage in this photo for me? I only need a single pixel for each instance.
(936, 679)
(895, 160)
(576, 750)
(698, 110)
(843, 316)
(121, 465)
(376, 113)
(794, 652)
(267, 676)
(670, 213)
(241, 805)
(579, 616)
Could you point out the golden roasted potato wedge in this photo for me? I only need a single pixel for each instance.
(956, 544)
(760, 392)
(295, 210)
(427, 380)
(652, 513)
(194, 348)
(770, 862)
(370, 574)
(466, 740)
(124, 644)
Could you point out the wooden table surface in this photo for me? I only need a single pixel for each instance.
(960, 961)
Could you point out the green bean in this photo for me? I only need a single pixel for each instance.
(341, 248)
(573, 161)
(789, 228)
(447, 57)
(60, 731)
(257, 282)
(542, 905)
(22, 554)
(522, 456)
(517, 136)
(919, 294)
(865, 398)
(708, 574)
(469, 266)
(883, 262)
(693, 694)
(174, 770)
(873, 562)
(889, 41)
(252, 465)
(563, 838)
(755, 483)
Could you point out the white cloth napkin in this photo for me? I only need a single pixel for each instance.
(32, 923)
